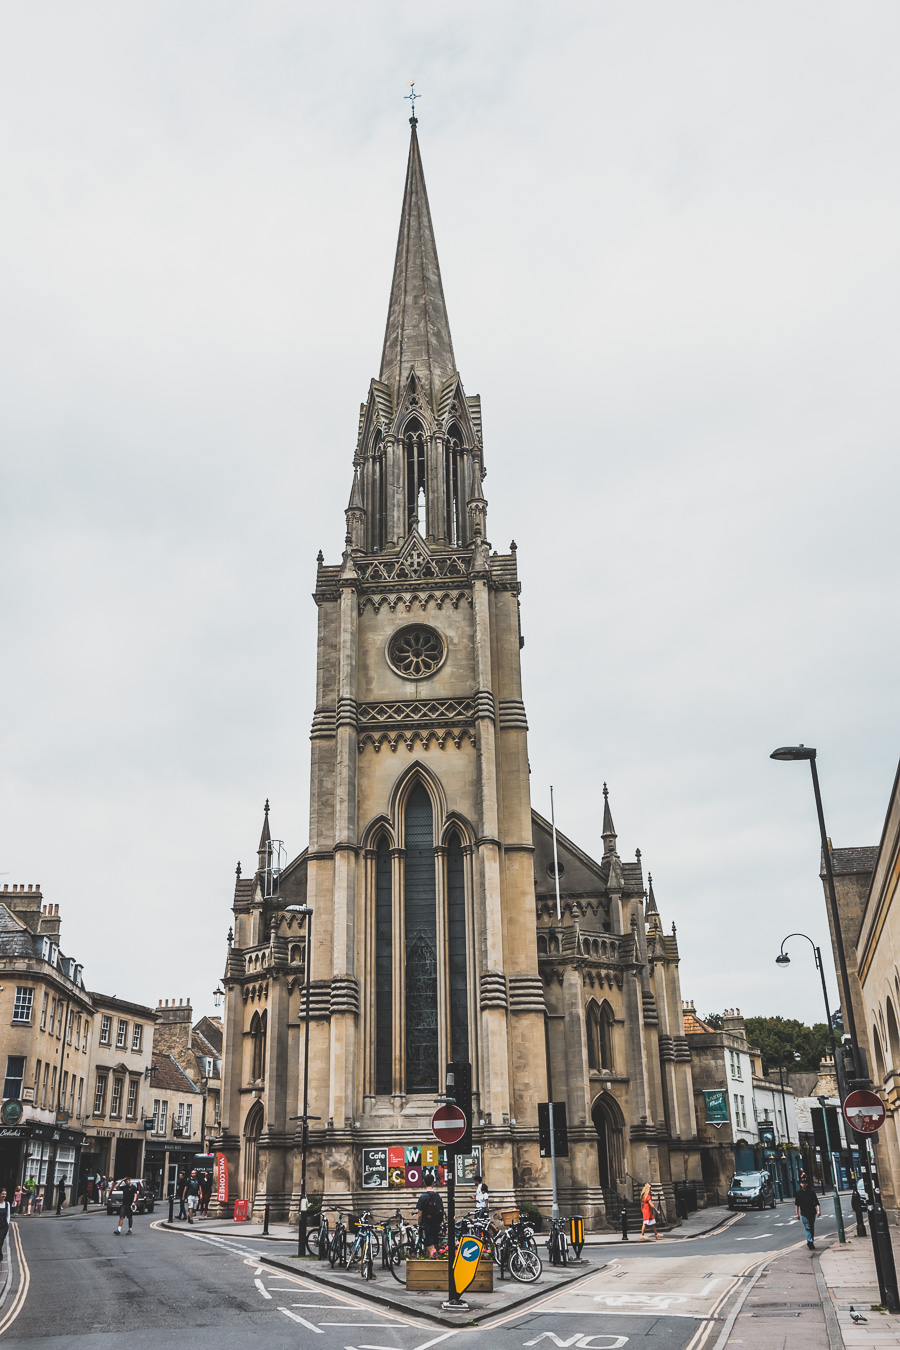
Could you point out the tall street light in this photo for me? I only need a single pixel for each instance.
(881, 1238)
(307, 913)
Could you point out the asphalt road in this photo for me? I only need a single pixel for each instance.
(75, 1285)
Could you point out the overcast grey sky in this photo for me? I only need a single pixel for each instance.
(668, 236)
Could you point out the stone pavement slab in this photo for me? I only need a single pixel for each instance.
(851, 1285)
(783, 1309)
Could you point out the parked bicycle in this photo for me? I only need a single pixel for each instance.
(558, 1242)
(392, 1246)
(337, 1247)
(365, 1248)
(317, 1242)
(511, 1254)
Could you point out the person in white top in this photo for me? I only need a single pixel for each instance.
(482, 1198)
(5, 1220)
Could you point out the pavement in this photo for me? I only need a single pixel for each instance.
(805, 1300)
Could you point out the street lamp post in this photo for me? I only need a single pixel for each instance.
(305, 1118)
(881, 1238)
(782, 959)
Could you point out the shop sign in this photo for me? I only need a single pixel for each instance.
(7, 1133)
(716, 1106)
(414, 1165)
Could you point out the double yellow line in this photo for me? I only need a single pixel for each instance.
(21, 1293)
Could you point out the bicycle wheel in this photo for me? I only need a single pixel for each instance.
(366, 1260)
(337, 1252)
(395, 1258)
(312, 1243)
(524, 1265)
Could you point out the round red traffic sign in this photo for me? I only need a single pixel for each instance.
(448, 1124)
(864, 1112)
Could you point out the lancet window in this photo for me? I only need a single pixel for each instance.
(454, 489)
(599, 1036)
(414, 446)
(420, 976)
(376, 496)
(258, 1030)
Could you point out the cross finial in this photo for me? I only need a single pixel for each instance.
(412, 96)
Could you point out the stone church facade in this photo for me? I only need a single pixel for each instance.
(435, 934)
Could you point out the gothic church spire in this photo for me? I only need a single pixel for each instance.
(417, 335)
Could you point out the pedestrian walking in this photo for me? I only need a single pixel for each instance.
(431, 1215)
(192, 1195)
(29, 1187)
(806, 1207)
(859, 1203)
(17, 1200)
(205, 1193)
(126, 1208)
(649, 1215)
(482, 1198)
(5, 1219)
(182, 1182)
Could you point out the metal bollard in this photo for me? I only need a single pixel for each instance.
(265, 1231)
(172, 1207)
(624, 1223)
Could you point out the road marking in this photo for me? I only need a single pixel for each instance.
(609, 1312)
(435, 1341)
(311, 1326)
(706, 1289)
(15, 1241)
(262, 1288)
(755, 1237)
(581, 1341)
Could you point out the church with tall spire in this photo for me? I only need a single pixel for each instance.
(427, 912)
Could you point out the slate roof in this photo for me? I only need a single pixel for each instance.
(168, 1075)
(15, 938)
(845, 861)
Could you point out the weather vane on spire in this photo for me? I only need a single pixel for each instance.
(412, 96)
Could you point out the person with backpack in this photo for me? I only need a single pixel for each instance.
(482, 1198)
(192, 1195)
(431, 1216)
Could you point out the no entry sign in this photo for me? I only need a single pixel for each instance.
(448, 1124)
(864, 1112)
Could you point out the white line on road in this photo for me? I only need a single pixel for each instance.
(435, 1341)
(755, 1238)
(262, 1288)
(608, 1312)
(297, 1318)
(707, 1288)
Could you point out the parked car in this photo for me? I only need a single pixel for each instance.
(751, 1190)
(142, 1205)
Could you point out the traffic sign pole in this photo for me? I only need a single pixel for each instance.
(838, 1212)
(449, 1124)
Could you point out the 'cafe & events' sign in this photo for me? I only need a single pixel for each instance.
(415, 1165)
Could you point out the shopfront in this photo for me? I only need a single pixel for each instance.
(163, 1162)
(51, 1155)
(114, 1153)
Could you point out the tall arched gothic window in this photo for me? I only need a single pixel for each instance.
(421, 946)
(420, 981)
(599, 1036)
(384, 970)
(376, 498)
(414, 445)
(258, 1028)
(454, 490)
(457, 950)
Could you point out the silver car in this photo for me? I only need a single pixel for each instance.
(751, 1190)
(144, 1201)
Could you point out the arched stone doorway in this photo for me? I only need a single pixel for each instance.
(610, 1126)
(250, 1173)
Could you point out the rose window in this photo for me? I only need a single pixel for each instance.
(416, 652)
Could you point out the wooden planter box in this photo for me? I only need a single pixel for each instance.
(431, 1276)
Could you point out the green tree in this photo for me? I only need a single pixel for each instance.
(780, 1039)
